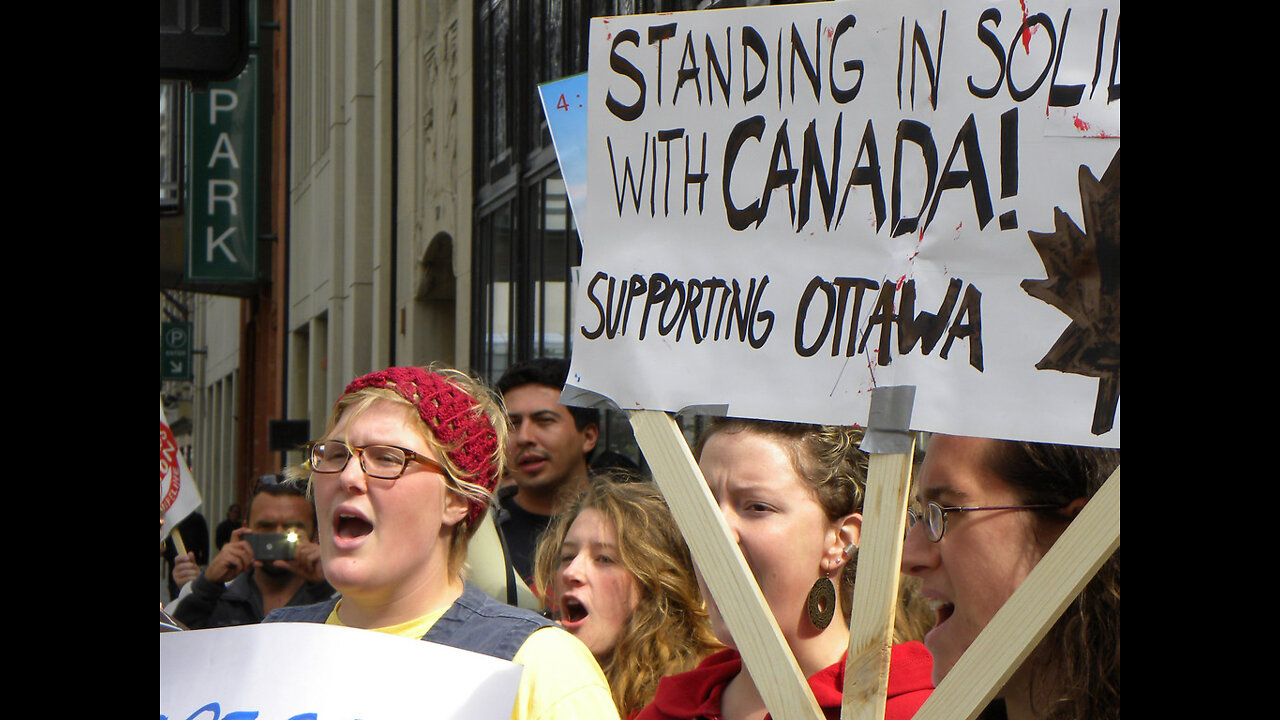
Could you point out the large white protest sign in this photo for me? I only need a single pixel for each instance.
(793, 205)
(179, 496)
(297, 671)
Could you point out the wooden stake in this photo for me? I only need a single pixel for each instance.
(875, 590)
(177, 542)
(1028, 614)
(764, 650)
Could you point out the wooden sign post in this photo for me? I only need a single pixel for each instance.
(891, 445)
(866, 674)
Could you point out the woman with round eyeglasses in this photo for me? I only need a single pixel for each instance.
(792, 495)
(402, 478)
(990, 509)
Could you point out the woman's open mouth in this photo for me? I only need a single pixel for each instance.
(350, 526)
(350, 529)
(572, 612)
(942, 611)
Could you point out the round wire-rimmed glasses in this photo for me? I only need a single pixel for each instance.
(387, 462)
(935, 516)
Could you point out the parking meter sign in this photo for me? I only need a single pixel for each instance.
(175, 351)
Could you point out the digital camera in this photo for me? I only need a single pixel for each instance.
(272, 546)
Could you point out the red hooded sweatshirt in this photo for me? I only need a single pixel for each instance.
(695, 695)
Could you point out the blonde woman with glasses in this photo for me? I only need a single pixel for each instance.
(402, 477)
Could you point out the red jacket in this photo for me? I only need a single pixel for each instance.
(696, 694)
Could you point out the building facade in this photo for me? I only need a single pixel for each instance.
(223, 410)
(428, 218)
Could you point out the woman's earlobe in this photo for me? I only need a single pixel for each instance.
(1074, 507)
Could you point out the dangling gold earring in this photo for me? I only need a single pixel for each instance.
(822, 602)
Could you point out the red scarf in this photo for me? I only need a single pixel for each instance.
(696, 694)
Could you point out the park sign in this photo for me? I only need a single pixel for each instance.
(223, 198)
(793, 205)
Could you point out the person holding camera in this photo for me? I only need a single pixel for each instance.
(271, 562)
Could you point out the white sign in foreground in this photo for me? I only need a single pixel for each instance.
(297, 671)
(793, 205)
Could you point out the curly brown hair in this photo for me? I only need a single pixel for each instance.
(1077, 664)
(669, 632)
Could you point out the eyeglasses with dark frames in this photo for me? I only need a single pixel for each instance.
(387, 462)
(935, 516)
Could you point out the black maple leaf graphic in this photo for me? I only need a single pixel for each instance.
(1083, 270)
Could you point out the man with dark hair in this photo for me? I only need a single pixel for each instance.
(237, 589)
(548, 449)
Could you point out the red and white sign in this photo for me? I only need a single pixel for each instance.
(179, 496)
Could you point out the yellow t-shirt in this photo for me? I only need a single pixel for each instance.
(561, 679)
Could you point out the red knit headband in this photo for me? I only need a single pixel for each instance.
(455, 418)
